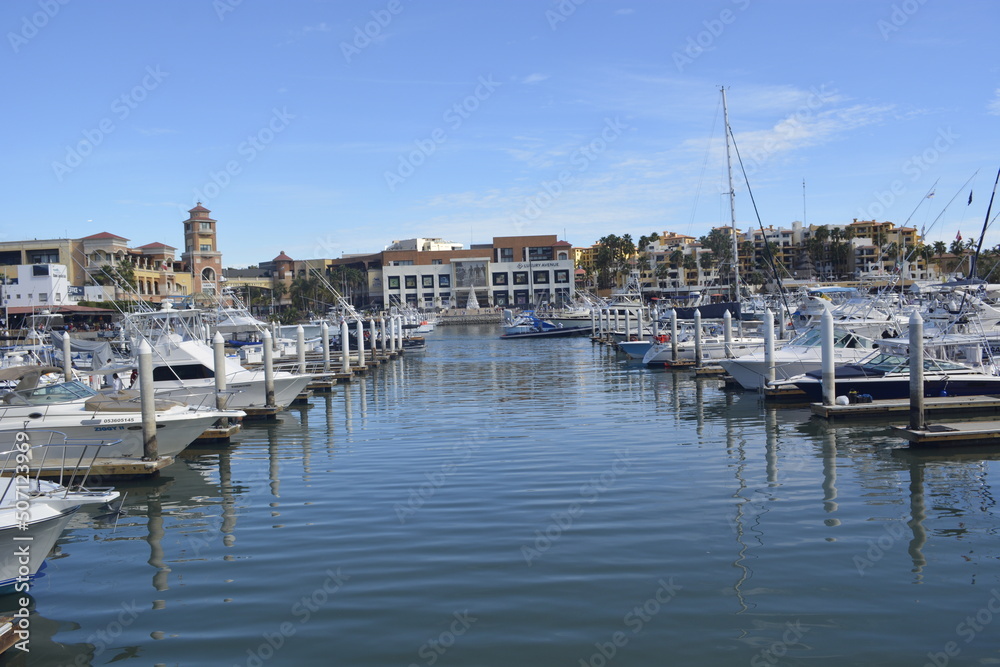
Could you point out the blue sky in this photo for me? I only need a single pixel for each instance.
(327, 127)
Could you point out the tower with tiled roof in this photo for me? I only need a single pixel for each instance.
(201, 250)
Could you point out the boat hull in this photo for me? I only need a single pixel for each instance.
(898, 387)
(565, 332)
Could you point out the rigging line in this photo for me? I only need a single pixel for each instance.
(704, 166)
(982, 235)
(767, 248)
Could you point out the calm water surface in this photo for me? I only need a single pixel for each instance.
(535, 503)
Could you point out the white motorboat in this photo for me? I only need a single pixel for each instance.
(184, 364)
(81, 413)
(802, 354)
(34, 512)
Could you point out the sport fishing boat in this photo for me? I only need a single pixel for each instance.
(184, 364)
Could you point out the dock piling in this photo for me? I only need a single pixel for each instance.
(147, 402)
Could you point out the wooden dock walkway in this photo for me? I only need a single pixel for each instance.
(899, 409)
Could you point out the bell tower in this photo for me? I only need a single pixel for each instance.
(201, 250)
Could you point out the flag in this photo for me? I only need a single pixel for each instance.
(931, 195)
(970, 198)
(958, 237)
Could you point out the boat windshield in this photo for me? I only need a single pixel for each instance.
(841, 338)
(52, 393)
(897, 363)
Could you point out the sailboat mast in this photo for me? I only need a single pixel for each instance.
(732, 200)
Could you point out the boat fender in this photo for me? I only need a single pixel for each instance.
(842, 400)
(663, 338)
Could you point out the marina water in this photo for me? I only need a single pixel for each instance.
(534, 502)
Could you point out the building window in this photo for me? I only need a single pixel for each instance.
(506, 254)
(427, 281)
(393, 282)
(540, 254)
(43, 297)
(437, 262)
(44, 257)
(520, 278)
(205, 226)
(444, 280)
(204, 247)
(500, 278)
(562, 276)
(540, 277)
(411, 282)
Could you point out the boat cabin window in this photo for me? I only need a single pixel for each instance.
(182, 372)
(52, 393)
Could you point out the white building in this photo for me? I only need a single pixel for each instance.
(40, 286)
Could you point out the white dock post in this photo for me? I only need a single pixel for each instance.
(274, 336)
(916, 372)
(300, 347)
(768, 347)
(727, 333)
(697, 338)
(360, 328)
(382, 343)
(268, 370)
(399, 332)
(345, 347)
(371, 337)
(219, 350)
(219, 353)
(829, 377)
(593, 323)
(325, 334)
(147, 403)
(628, 325)
(67, 357)
(673, 335)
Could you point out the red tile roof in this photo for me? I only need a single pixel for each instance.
(103, 235)
(282, 257)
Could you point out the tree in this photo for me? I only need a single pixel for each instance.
(122, 275)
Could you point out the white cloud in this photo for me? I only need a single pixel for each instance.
(994, 106)
(535, 78)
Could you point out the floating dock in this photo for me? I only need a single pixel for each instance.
(963, 434)
(899, 409)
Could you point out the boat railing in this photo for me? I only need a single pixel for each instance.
(29, 456)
